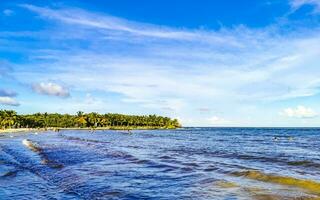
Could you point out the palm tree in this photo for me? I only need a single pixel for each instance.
(10, 119)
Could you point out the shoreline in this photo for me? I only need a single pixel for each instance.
(16, 130)
(19, 130)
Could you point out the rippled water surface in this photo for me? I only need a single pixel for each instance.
(191, 163)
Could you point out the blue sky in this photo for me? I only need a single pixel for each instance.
(207, 63)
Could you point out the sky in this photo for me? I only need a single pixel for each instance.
(206, 62)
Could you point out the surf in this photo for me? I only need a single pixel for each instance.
(31, 145)
(308, 185)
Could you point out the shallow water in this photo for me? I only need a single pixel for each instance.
(191, 163)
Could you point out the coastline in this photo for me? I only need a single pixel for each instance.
(16, 130)
(19, 130)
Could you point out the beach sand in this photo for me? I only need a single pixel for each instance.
(16, 130)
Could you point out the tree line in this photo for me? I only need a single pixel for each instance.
(10, 119)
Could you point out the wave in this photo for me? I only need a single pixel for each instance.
(31, 145)
(82, 139)
(304, 163)
(104, 151)
(308, 185)
(10, 174)
(249, 190)
(280, 159)
(257, 193)
(226, 184)
(44, 157)
(98, 147)
(266, 196)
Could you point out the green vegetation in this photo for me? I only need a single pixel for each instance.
(10, 119)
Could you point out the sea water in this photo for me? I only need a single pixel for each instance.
(189, 163)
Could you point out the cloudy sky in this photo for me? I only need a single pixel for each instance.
(207, 63)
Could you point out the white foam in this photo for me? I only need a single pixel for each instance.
(27, 143)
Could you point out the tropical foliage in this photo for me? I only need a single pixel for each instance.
(10, 119)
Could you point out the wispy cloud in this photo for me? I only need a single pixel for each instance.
(296, 4)
(169, 69)
(120, 25)
(7, 97)
(299, 112)
(218, 121)
(8, 12)
(7, 93)
(204, 110)
(51, 89)
(8, 101)
(5, 68)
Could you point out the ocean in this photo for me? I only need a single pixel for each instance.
(187, 163)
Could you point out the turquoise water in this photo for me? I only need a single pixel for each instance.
(191, 163)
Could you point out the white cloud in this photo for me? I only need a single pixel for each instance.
(253, 64)
(51, 89)
(172, 69)
(119, 25)
(215, 120)
(7, 93)
(299, 112)
(204, 110)
(87, 103)
(296, 4)
(7, 98)
(5, 68)
(7, 12)
(9, 101)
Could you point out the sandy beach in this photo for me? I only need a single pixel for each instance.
(19, 130)
(16, 130)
